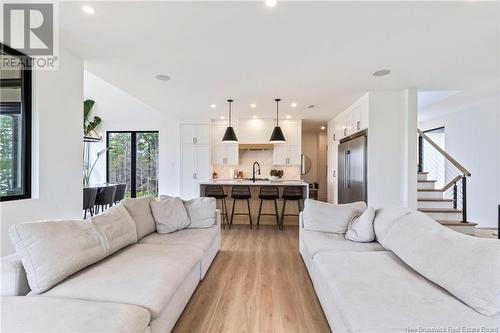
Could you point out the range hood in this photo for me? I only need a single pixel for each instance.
(255, 146)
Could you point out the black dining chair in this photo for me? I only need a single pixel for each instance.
(120, 192)
(105, 198)
(89, 195)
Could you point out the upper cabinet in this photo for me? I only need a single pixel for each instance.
(352, 120)
(223, 153)
(255, 130)
(195, 134)
(289, 152)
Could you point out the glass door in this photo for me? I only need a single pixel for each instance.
(132, 159)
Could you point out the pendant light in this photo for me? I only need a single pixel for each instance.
(277, 136)
(229, 135)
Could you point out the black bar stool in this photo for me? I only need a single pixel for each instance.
(241, 192)
(269, 193)
(89, 194)
(217, 192)
(291, 193)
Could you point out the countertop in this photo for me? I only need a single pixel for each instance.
(228, 182)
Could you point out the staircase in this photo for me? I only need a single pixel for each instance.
(446, 205)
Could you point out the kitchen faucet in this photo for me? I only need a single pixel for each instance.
(253, 170)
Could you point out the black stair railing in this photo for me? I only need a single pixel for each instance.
(454, 174)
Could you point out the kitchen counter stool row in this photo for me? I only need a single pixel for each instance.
(266, 193)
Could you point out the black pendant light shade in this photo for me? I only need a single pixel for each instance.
(277, 135)
(229, 135)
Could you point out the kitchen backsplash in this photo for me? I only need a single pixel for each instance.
(265, 159)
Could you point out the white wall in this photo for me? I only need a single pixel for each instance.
(121, 111)
(391, 160)
(57, 149)
(473, 139)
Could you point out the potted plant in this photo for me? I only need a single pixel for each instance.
(276, 174)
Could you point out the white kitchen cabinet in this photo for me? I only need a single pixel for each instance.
(289, 152)
(195, 158)
(223, 153)
(195, 134)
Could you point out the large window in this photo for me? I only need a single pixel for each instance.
(15, 125)
(132, 159)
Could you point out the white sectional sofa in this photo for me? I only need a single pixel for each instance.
(143, 286)
(380, 286)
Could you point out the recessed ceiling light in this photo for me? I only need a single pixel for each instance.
(88, 10)
(288, 116)
(311, 106)
(163, 77)
(253, 105)
(213, 106)
(293, 105)
(382, 72)
(222, 117)
(323, 128)
(254, 117)
(271, 3)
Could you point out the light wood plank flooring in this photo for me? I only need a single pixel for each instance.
(257, 283)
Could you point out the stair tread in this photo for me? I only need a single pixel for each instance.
(439, 210)
(457, 223)
(423, 172)
(434, 199)
(429, 190)
(427, 181)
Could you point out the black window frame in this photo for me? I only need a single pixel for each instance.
(133, 158)
(26, 120)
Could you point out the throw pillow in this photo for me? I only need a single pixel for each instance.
(326, 217)
(361, 227)
(169, 214)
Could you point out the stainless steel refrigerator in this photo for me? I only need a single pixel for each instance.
(352, 170)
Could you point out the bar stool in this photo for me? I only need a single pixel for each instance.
(241, 192)
(291, 193)
(217, 192)
(269, 193)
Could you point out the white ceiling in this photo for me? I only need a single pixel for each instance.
(320, 53)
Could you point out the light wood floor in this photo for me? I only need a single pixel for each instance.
(257, 283)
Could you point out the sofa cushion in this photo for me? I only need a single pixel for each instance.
(199, 238)
(116, 227)
(385, 217)
(53, 250)
(140, 211)
(377, 292)
(169, 214)
(201, 212)
(13, 276)
(466, 266)
(326, 217)
(52, 314)
(316, 242)
(142, 274)
(361, 228)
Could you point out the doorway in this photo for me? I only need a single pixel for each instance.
(132, 158)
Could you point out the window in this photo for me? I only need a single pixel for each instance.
(15, 125)
(132, 159)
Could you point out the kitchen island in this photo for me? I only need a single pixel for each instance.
(267, 207)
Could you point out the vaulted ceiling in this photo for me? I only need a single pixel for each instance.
(320, 53)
